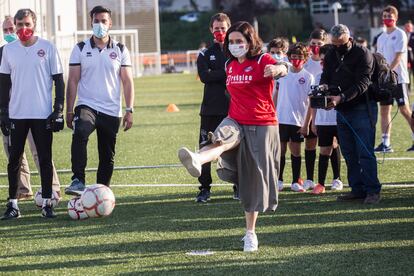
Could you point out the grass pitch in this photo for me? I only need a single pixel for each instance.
(152, 228)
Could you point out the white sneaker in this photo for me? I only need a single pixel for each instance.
(296, 187)
(279, 185)
(337, 185)
(308, 185)
(250, 242)
(190, 161)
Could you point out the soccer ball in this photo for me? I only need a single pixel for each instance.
(75, 209)
(98, 201)
(39, 200)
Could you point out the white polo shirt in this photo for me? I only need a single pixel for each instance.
(31, 70)
(293, 100)
(389, 45)
(314, 67)
(100, 82)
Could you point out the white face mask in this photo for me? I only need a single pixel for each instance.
(238, 50)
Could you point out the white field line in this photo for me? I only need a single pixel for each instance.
(162, 166)
(220, 184)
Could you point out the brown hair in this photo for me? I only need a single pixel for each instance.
(253, 40)
(278, 42)
(221, 17)
(298, 49)
(22, 13)
(319, 34)
(391, 9)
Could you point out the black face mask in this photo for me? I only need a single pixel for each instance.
(343, 49)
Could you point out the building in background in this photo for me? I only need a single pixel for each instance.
(65, 22)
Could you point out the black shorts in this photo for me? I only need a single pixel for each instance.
(326, 135)
(290, 133)
(400, 94)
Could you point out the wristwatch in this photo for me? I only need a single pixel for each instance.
(129, 109)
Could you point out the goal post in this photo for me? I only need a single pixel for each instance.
(128, 37)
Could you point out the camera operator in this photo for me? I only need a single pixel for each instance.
(349, 67)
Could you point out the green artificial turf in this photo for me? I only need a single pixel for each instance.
(152, 228)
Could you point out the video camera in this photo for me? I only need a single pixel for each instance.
(319, 95)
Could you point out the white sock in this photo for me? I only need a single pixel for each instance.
(250, 232)
(14, 203)
(45, 202)
(386, 140)
(412, 136)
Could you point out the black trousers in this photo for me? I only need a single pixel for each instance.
(208, 123)
(87, 120)
(43, 140)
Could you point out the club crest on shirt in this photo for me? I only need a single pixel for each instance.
(212, 57)
(248, 69)
(113, 55)
(394, 37)
(41, 53)
(302, 80)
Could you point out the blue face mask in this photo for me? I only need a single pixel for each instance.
(10, 37)
(99, 30)
(277, 57)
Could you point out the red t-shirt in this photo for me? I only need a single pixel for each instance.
(251, 100)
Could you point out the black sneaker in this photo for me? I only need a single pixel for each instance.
(372, 199)
(235, 193)
(47, 211)
(411, 148)
(11, 212)
(203, 196)
(382, 148)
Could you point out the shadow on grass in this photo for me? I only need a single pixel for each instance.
(297, 221)
(44, 266)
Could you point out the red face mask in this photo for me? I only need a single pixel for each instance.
(388, 22)
(297, 63)
(315, 49)
(219, 36)
(24, 34)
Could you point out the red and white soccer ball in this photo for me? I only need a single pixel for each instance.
(75, 209)
(98, 201)
(39, 200)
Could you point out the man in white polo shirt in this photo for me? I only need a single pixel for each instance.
(24, 190)
(98, 65)
(392, 44)
(29, 67)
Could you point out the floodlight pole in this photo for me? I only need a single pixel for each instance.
(336, 6)
(123, 19)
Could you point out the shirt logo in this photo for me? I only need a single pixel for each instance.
(113, 55)
(248, 69)
(394, 37)
(212, 57)
(88, 54)
(302, 80)
(230, 70)
(41, 53)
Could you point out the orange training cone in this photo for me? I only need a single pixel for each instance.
(172, 108)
